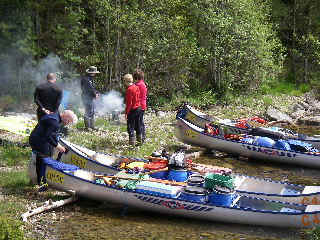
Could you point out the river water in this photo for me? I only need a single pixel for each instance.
(88, 219)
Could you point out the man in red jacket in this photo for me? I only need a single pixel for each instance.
(133, 109)
(138, 76)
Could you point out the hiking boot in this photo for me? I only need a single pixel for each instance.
(140, 139)
(132, 141)
(42, 188)
(86, 123)
(91, 124)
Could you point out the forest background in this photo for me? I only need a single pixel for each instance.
(209, 50)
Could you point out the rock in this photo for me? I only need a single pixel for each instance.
(298, 113)
(161, 114)
(275, 114)
(297, 107)
(304, 105)
(313, 121)
(316, 105)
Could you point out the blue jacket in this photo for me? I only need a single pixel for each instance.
(45, 135)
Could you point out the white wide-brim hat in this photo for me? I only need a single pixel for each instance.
(92, 69)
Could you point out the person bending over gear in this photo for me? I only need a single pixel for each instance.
(89, 94)
(44, 137)
(48, 96)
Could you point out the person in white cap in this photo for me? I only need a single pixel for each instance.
(89, 93)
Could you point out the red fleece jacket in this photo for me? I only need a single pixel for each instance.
(143, 93)
(132, 98)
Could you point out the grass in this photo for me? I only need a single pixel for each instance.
(13, 184)
(13, 155)
(114, 138)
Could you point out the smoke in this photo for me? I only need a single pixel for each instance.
(109, 102)
(20, 81)
(20, 74)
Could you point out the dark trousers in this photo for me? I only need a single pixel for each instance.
(41, 169)
(89, 107)
(143, 128)
(41, 153)
(133, 122)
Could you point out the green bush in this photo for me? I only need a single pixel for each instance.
(10, 229)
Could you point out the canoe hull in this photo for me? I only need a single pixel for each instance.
(190, 134)
(66, 181)
(200, 119)
(245, 185)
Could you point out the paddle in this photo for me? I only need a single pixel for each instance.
(168, 182)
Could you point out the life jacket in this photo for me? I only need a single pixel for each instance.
(211, 130)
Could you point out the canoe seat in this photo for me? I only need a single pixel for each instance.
(254, 185)
(312, 208)
(311, 189)
(90, 176)
(289, 191)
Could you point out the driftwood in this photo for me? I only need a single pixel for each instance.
(49, 205)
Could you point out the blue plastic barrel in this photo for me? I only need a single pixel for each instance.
(282, 145)
(180, 175)
(196, 180)
(194, 194)
(220, 197)
(264, 142)
(160, 175)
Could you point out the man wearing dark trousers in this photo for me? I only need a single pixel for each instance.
(44, 137)
(133, 109)
(89, 94)
(48, 96)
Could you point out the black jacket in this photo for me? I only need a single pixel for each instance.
(45, 135)
(48, 95)
(87, 88)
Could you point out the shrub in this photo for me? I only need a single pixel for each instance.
(10, 229)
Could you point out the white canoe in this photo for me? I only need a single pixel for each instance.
(244, 185)
(199, 119)
(185, 201)
(191, 134)
(91, 160)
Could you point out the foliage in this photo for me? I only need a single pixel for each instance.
(298, 23)
(10, 229)
(184, 47)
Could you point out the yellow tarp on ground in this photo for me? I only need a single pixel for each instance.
(17, 124)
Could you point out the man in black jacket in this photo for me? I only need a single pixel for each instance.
(44, 137)
(89, 93)
(48, 96)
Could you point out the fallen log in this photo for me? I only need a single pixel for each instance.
(48, 205)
